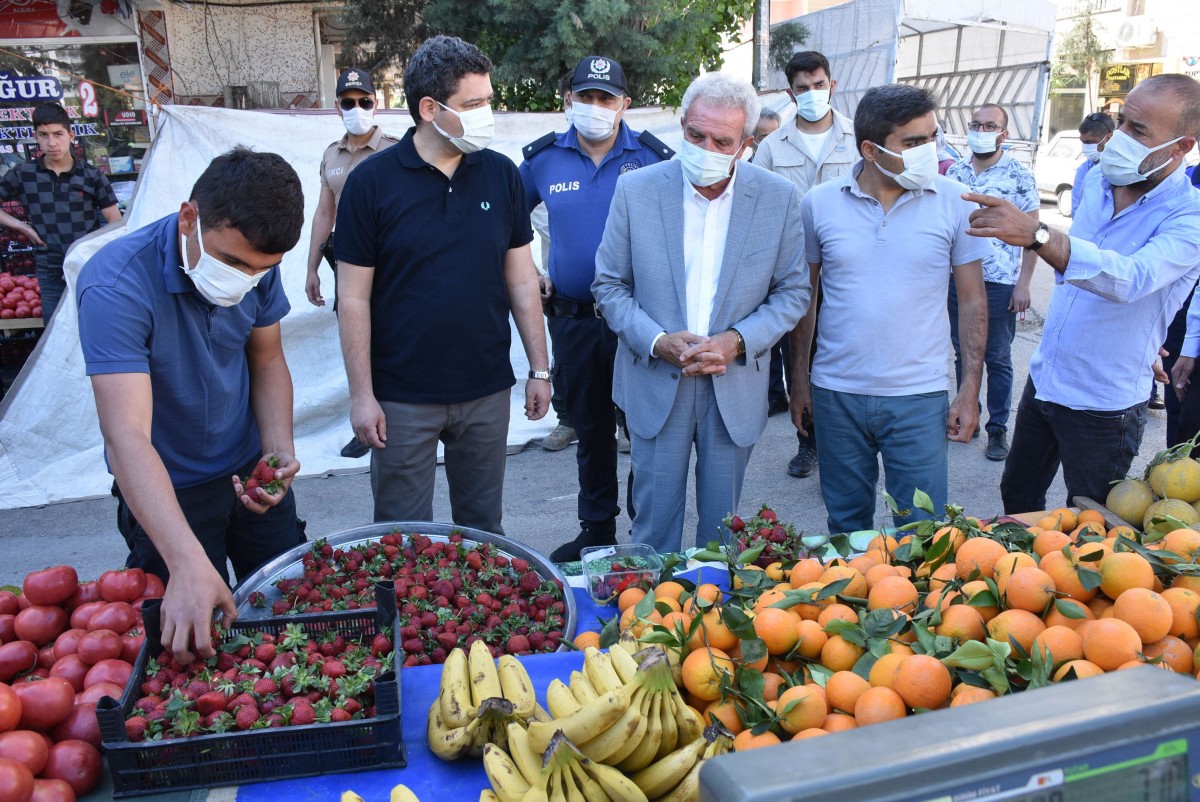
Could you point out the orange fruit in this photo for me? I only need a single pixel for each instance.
(1109, 642)
(1020, 625)
(877, 705)
(811, 732)
(586, 639)
(1054, 618)
(1189, 582)
(1029, 589)
(840, 612)
(1125, 570)
(883, 544)
(671, 619)
(805, 571)
(738, 582)
(629, 597)
(811, 610)
(1049, 540)
(707, 592)
(801, 707)
(979, 556)
(772, 685)
(1183, 543)
(1173, 652)
(922, 681)
(1184, 606)
(839, 722)
(630, 621)
(884, 670)
(1099, 605)
(777, 628)
(1082, 668)
(1011, 562)
(810, 639)
(839, 654)
(969, 694)
(970, 589)
(713, 632)
(961, 622)
(703, 670)
(878, 572)
(1147, 612)
(726, 712)
(1088, 530)
(746, 740)
(855, 588)
(940, 598)
(843, 688)
(865, 561)
(1066, 519)
(758, 665)
(1065, 573)
(1065, 644)
(936, 543)
(943, 575)
(1124, 531)
(775, 571)
(669, 590)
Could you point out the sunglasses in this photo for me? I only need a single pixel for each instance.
(365, 103)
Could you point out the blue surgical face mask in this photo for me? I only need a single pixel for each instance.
(701, 167)
(217, 282)
(813, 105)
(920, 166)
(982, 143)
(1122, 159)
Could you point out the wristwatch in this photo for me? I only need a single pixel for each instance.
(741, 343)
(544, 375)
(1040, 237)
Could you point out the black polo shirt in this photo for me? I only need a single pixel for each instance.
(439, 305)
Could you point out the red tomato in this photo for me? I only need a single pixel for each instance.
(117, 616)
(97, 645)
(10, 708)
(16, 781)
(8, 627)
(68, 642)
(77, 762)
(86, 592)
(51, 585)
(41, 624)
(26, 747)
(23, 602)
(84, 612)
(99, 691)
(80, 724)
(17, 658)
(46, 656)
(155, 589)
(115, 671)
(127, 585)
(52, 791)
(131, 644)
(37, 673)
(9, 604)
(44, 702)
(72, 669)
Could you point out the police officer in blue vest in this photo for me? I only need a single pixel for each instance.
(575, 175)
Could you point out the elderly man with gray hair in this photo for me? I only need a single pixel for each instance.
(699, 273)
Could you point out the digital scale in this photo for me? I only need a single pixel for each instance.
(1127, 736)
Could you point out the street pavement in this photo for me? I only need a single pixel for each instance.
(540, 486)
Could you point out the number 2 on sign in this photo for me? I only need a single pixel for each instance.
(87, 94)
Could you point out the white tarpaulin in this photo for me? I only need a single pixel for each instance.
(50, 445)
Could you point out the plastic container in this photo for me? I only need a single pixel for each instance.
(637, 566)
(237, 758)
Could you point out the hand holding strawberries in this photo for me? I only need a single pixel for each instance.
(268, 483)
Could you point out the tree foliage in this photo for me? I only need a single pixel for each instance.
(1081, 56)
(661, 44)
(786, 40)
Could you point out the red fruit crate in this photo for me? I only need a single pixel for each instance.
(237, 758)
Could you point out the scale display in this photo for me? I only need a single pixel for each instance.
(1128, 736)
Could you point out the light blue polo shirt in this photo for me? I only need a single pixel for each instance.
(884, 279)
(139, 313)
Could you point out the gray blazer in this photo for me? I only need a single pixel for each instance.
(763, 291)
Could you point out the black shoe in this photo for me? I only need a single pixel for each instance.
(803, 463)
(589, 535)
(1156, 401)
(777, 405)
(997, 447)
(354, 449)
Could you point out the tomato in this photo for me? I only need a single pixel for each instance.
(127, 585)
(117, 616)
(41, 624)
(72, 669)
(37, 673)
(9, 604)
(84, 612)
(115, 671)
(10, 708)
(51, 585)
(80, 724)
(77, 762)
(17, 658)
(86, 592)
(68, 642)
(155, 589)
(97, 645)
(26, 747)
(44, 702)
(52, 791)
(16, 781)
(8, 627)
(131, 644)
(98, 691)
(23, 601)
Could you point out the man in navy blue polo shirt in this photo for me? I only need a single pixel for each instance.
(433, 254)
(179, 323)
(575, 175)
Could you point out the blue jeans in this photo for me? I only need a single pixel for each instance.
(52, 286)
(1094, 448)
(910, 432)
(997, 358)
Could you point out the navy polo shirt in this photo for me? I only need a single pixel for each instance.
(140, 313)
(439, 304)
(577, 194)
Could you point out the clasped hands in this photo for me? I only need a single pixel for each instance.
(697, 355)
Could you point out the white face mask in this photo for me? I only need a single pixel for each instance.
(983, 142)
(477, 125)
(1121, 161)
(920, 166)
(593, 123)
(219, 283)
(813, 105)
(358, 121)
(1091, 152)
(701, 167)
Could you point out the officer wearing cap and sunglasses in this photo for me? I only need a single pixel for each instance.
(356, 104)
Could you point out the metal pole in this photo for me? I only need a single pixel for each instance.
(762, 43)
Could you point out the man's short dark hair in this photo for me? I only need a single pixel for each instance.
(50, 114)
(999, 108)
(1097, 124)
(883, 109)
(1186, 93)
(767, 114)
(258, 194)
(806, 61)
(437, 67)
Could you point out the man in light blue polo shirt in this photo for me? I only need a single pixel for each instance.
(1130, 260)
(1095, 130)
(179, 324)
(884, 242)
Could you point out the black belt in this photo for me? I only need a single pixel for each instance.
(561, 307)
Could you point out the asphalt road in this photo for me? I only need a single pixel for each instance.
(540, 487)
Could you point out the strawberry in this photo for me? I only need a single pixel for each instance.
(265, 687)
(241, 700)
(302, 712)
(536, 640)
(447, 641)
(333, 647)
(414, 645)
(338, 714)
(135, 728)
(381, 645)
(153, 686)
(519, 565)
(225, 661)
(246, 717)
(437, 655)
(265, 653)
(351, 706)
(210, 702)
(334, 669)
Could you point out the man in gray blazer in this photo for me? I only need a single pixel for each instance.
(699, 273)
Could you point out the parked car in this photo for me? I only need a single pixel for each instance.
(1055, 169)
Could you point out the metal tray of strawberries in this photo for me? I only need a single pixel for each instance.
(290, 564)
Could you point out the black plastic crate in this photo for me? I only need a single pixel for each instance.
(237, 758)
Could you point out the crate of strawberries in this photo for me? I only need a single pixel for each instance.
(294, 697)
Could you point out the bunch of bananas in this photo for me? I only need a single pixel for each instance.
(400, 793)
(477, 701)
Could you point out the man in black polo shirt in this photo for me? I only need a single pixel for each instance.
(433, 254)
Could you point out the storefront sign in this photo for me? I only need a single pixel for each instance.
(125, 117)
(29, 87)
(17, 132)
(1190, 66)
